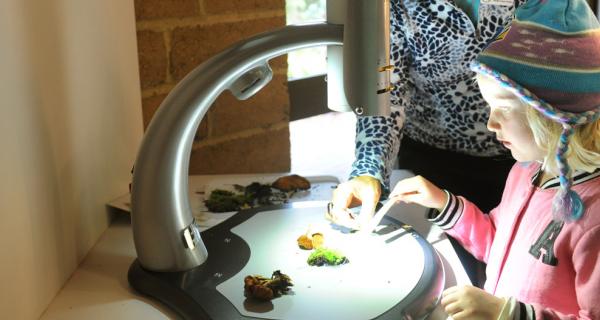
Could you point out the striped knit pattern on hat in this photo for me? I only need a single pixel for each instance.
(552, 48)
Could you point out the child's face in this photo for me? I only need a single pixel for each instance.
(509, 121)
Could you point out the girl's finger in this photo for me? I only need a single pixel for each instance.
(411, 197)
(450, 290)
(461, 315)
(409, 185)
(448, 299)
(453, 308)
(399, 196)
(450, 296)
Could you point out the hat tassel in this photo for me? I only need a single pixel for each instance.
(567, 205)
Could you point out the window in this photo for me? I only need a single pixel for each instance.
(308, 62)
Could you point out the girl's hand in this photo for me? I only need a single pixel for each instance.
(419, 190)
(468, 302)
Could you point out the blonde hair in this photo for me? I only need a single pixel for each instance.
(584, 144)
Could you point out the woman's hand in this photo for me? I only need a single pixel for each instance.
(468, 302)
(364, 190)
(420, 191)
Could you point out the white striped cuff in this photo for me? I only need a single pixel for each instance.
(447, 218)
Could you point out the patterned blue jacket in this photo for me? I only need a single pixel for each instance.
(436, 100)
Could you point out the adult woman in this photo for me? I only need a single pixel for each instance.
(439, 115)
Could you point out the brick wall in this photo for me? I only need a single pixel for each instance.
(175, 36)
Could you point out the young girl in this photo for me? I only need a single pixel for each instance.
(541, 78)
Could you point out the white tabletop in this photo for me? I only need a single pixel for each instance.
(98, 289)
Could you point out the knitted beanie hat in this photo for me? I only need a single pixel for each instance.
(552, 48)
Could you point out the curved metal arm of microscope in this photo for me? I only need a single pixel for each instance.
(165, 233)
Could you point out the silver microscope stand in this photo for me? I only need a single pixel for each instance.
(173, 264)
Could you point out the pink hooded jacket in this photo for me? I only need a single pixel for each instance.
(551, 268)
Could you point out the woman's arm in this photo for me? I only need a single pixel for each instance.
(378, 138)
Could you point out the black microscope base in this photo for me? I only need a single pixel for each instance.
(193, 294)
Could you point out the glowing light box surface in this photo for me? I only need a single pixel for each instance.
(383, 269)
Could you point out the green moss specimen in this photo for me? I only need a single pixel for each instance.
(326, 256)
(223, 201)
(250, 196)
